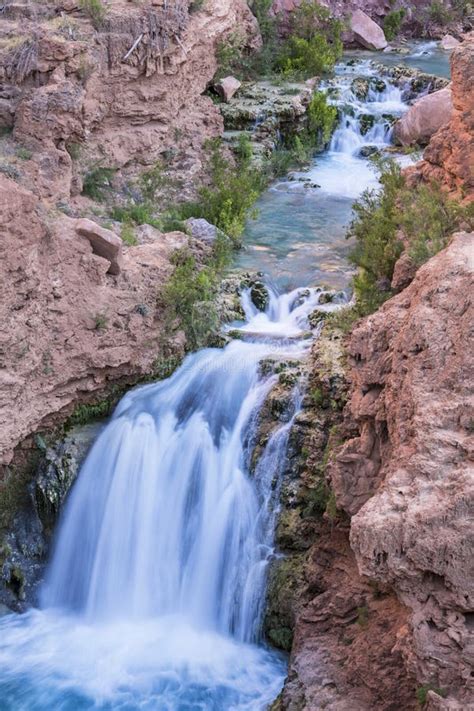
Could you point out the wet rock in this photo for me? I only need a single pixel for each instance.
(58, 472)
(366, 121)
(259, 295)
(360, 88)
(367, 151)
(227, 88)
(366, 32)
(424, 118)
(105, 243)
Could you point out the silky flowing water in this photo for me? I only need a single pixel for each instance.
(155, 593)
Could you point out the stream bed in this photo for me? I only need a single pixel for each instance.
(155, 593)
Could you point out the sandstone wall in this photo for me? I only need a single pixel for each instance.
(449, 157)
(407, 478)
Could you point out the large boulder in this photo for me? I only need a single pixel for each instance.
(105, 243)
(227, 87)
(449, 42)
(424, 118)
(367, 32)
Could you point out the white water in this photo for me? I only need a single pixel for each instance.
(156, 589)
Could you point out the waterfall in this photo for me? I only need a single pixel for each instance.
(161, 556)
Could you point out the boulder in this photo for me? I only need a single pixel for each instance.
(199, 228)
(449, 42)
(227, 87)
(105, 243)
(366, 32)
(424, 118)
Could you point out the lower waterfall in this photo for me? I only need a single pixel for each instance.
(156, 589)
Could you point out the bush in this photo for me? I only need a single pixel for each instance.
(94, 9)
(128, 235)
(233, 189)
(424, 216)
(321, 118)
(314, 44)
(189, 293)
(422, 693)
(439, 14)
(393, 22)
(97, 182)
(196, 5)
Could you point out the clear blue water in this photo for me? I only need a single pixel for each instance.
(298, 237)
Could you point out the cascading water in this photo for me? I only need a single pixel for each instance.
(155, 593)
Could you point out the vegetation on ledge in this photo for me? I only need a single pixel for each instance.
(419, 219)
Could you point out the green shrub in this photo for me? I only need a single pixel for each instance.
(424, 216)
(229, 198)
(155, 182)
(94, 9)
(266, 22)
(314, 44)
(393, 23)
(24, 153)
(97, 182)
(196, 5)
(422, 693)
(135, 214)
(439, 13)
(190, 291)
(321, 118)
(100, 321)
(127, 234)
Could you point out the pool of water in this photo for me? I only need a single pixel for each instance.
(299, 234)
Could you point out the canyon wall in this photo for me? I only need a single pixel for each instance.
(76, 95)
(448, 158)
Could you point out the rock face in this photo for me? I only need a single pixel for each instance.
(448, 157)
(366, 32)
(407, 477)
(121, 95)
(424, 118)
(449, 42)
(68, 327)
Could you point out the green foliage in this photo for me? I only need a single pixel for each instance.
(266, 22)
(100, 322)
(228, 199)
(196, 5)
(393, 22)
(189, 293)
(439, 14)
(83, 414)
(128, 234)
(94, 9)
(74, 149)
(422, 693)
(314, 44)
(24, 153)
(363, 616)
(133, 214)
(423, 215)
(97, 182)
(321, 118)
(155, 182)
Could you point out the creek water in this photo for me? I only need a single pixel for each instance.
(155, 593)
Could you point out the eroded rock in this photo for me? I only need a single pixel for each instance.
(227, 87)
(105, 243)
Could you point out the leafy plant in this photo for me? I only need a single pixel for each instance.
(24, 153)
(189, 293)
(439, 14)
(424, 217)
(393, 23)
(321, 118)
(128, 235)
(228, 199)
(97, 182)
(314, 44)
(196, 5)
(94, 9)
(422, 693)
